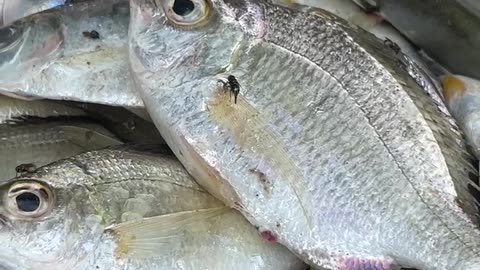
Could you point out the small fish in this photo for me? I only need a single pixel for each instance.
(46, 55)
(126, 207)
(39, 141)
(447, 29)
(11, 108)
(333, 149)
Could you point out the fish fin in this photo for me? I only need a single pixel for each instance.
(452, 85)
(150, 236)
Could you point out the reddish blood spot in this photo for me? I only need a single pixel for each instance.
(376, 16)
(269, 236)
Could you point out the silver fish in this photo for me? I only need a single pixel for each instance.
(12, 10)
(126, 208)
(418, 64)
(348, 10)
(462, 95)
(76, 52)
(35, 141)
(447, 30)
(11, 108)
(331, 148)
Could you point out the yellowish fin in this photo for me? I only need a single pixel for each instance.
(452, 85)
(150, 236)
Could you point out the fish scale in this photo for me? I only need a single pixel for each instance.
(366, 178)
(376, 103)
(131, 207)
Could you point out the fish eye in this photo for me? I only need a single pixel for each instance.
(183, 7)
(29, 200)
(186, 12)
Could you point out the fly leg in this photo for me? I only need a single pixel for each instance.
(235, 91)
(228, 87)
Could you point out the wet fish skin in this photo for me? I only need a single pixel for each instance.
(12, 10)
(462, 95)
(43, 131)
(447, 30)
(112, 189)
(11, 108)
(47, 55)
(39, 141)
(351, 12)
(417, 64)
(345, 166)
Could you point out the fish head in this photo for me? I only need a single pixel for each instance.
(183, 41)
(28, 45)
(47, 219)
(180, 52)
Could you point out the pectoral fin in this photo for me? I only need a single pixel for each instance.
(163, 234)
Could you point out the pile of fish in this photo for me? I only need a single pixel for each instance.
(239, 134)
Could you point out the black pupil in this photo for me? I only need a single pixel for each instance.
(28, 202)
(183, 7)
